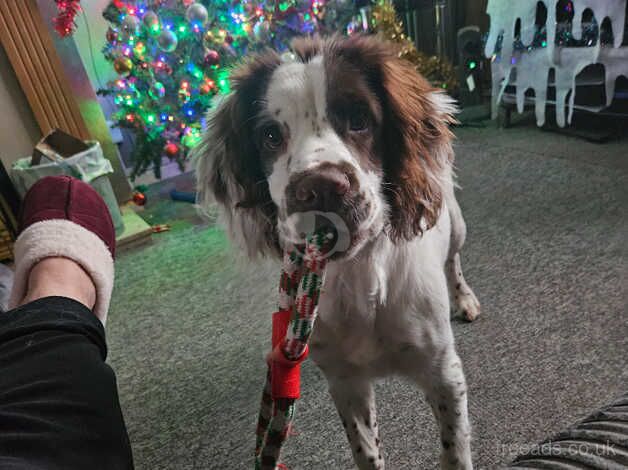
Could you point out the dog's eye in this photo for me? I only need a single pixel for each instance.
(271, 137)
(358, 121)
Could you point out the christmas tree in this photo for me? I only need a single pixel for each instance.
(173, 56)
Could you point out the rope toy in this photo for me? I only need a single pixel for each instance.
(299, 290)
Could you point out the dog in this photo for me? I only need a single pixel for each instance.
(343, 126)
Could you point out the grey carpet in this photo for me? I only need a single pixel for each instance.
(546, 255)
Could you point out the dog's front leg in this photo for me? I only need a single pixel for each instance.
(355, 402)
(446, 391)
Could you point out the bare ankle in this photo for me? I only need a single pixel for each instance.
(62, 277)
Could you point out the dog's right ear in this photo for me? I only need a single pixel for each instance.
(229, 169)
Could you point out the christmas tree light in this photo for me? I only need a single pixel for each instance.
(173, 56)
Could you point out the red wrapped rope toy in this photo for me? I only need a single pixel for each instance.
(299, 292)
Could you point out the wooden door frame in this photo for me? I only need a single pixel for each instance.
(43, 64)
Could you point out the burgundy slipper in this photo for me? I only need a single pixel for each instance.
(63, 216)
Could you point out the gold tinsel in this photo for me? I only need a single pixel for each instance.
(438, 71)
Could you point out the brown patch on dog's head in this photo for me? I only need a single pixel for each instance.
(306, 48)
(236, 177)
(233, 122)
(351, 96)
(413, 140)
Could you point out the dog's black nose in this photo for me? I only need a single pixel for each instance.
(321, 189)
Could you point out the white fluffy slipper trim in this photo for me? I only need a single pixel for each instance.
(59, 237)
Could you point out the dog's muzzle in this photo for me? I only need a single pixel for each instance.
(323, 189)
(325, 198)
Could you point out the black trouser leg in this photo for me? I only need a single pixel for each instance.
(59, 406)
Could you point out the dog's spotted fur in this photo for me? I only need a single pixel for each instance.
(352, 105)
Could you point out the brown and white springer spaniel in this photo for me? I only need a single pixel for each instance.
(343, 129)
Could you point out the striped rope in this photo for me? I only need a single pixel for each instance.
(299, 291)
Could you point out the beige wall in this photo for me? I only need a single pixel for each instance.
(18, 129)
(89, 38)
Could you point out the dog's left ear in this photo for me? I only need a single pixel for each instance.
(418, 147)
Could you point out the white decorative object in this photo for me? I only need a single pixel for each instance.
(533, 66)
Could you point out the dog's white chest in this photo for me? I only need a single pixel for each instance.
(346, 334)
(347, 319)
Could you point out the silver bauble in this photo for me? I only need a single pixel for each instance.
(150, 18)
(167, 41)
(130, 26)
(196, 13)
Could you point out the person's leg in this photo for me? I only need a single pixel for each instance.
(59, 406)
(6, 283)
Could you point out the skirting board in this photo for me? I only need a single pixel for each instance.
(136, 230)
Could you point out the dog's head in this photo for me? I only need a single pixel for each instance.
(340, 132)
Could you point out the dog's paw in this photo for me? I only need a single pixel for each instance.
(449, 462)
(468, 306)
